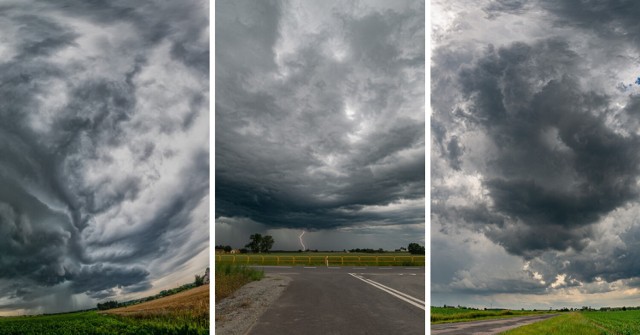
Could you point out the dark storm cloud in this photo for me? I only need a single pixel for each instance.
(559, 167)
(534, 149)
(612, 19)
(314, 128)
(82, 145)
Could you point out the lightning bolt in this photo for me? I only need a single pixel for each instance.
(300, 238)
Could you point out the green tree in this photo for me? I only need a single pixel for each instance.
(227, 248)
(199, 280)
(255, 244)
(415, 249)
(266, 243)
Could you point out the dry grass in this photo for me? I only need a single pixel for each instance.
(230, 278)
(190, 304)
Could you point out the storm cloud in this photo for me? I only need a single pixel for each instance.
(320, 118)
(534, 149)
(103, 150)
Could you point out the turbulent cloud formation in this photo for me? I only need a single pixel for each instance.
(534, 152)
(320, 117)
(103, 149)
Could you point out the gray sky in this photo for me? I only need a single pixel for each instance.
(104, 155)
(320, 118)
(535, 199)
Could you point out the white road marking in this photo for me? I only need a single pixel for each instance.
(310, 267)
(359, 268)
(385, 268)
(275, 267)
(333, 267)
(400, 295)
(287, 273)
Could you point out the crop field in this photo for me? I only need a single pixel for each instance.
(578, 323)
(182, 313)
(446, 315)
(333, 259)
(191, 306)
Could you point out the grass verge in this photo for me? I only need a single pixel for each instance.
(230, 277)
(566, 324)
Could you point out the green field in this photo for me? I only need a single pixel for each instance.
(94, 323)
(320, 258)
(449, 314)
(567, 324)
(578, 323)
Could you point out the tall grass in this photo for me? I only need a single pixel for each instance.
(231, 277)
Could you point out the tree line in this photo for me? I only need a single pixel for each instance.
(263, 244)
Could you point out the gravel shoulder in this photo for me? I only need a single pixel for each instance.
(236, 314)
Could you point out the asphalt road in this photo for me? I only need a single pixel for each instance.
(347, 300)
(486, 327)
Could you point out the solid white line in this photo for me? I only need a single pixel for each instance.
(396, 291)
(385, 268)
(333, 267)
(401, 296)
(310, 267)
(359, 268)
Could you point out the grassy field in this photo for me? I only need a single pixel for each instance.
(320, 258)
(183, 313)
(578, 323)
(447, 315)
(574, 323)
(230, 277)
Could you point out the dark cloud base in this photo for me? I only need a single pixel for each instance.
(310, 139)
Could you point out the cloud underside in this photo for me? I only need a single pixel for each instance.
(534, 149)
(319, 113)
(103, 147)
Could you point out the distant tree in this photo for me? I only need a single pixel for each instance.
(244, 250)
(266, 243)
(199, 280)
(416, 249)
(227, 248)
(108, 305)
(254, 245)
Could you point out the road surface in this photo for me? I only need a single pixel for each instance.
(347, 300)
(486, 327)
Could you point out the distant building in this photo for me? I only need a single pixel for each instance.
(235, 251)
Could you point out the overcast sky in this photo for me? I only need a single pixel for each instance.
(104, 155)
(535, 136)
(320, 123)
